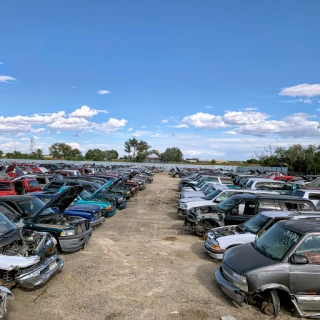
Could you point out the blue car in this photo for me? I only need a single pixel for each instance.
(91, 212)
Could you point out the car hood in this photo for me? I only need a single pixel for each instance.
(85, 207)
(101, 204)
(192, 194)
(244, 258)
(185, 200)
(62, 201)
(106, 185)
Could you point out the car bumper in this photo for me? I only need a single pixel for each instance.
(181, 212)
(231, 291)
(41, 274)
(111, 212)
(97, 222)
(74, 243)
(122, 205)
(214, 253)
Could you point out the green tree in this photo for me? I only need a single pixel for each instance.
(213, 161)
(127, 149)
(75, 155)
(1, 153)
(60, 150)
(172, 155)
(94, 155)
(110, 155)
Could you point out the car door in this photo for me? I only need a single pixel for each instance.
(305, 278)
(241, 212)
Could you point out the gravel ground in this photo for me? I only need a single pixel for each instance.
(141, 264)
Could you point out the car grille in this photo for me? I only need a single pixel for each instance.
(192, 217)
(82, 226)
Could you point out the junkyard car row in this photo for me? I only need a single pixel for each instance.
(266, 230)
(39, 223)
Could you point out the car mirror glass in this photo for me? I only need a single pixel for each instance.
(218, 200)
(298, 259)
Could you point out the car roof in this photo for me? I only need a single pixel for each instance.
(276, 214)
(74, 180)
(302, 226)
(16, 198)
(265, 196)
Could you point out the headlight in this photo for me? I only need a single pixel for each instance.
(183, 205)
(120, 199)
(128, 193)
(108, 207)
(239, 277)
(67, 233)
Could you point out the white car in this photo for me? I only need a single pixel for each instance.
(311, 194)
(220, 194)
(222, 238)
(205, 190)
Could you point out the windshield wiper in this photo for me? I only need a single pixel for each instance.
(7, 233)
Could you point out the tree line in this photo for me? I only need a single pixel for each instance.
(297, 158)
(136, 150)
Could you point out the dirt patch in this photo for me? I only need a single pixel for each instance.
(141, 264)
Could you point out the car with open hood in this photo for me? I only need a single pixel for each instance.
(108, 209)
(72, 233)
(91, 212)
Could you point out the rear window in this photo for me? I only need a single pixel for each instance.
(33, 183)
(269, 205)
(250, 183)
(54, 186)
(314, 196)
(299, 193)
(226, 181)
(5, 186)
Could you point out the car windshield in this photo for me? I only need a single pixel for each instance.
(209, 190)
(276, 242)
(33, 183)
(85, 195)
(255, 224)
(228, 203)
(212, 195)
(33, 206)
(204, 187)
(6, 226)
(200, 183)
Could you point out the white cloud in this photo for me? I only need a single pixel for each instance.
(139, 133)
(179, 126)
(307, 101)
(231, 132)
(7, 79)
(164, 121)
(318, 109)
(250, 109)
(301, 90)
(102, 92)
(71, 124)
(130, 129)
(75, 145)
(209, 107)
(74, 87)
(1, 62)
(111, 125)
(247, 117)
(143, 127)
(85, 112)
(204, 120)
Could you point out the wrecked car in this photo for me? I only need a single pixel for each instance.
(72, 233)
(91, 212)
(240, 207)
(282, 263)
(218, 240)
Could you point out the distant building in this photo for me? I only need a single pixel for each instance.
(192, 160)
(153, 158)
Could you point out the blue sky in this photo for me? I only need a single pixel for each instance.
(218, 79)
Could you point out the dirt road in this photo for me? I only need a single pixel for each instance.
(141, 264)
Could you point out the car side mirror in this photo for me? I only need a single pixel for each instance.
(218, 200)
(298, 259)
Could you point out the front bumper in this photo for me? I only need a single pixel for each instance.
(122, 205)
(74, 243)
(97, 222)
(111, 212)
(182, 212)
(216, 254)
(231, 291)
(41, 274)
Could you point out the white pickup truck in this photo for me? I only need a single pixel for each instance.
(218, 240)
